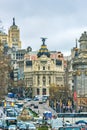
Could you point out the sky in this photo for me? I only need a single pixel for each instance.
(60, 21)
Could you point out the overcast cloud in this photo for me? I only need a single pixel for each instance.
(61, 21)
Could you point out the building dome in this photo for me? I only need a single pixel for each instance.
(43, 50)
(83, 37)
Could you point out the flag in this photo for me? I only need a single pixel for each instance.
(75, 96)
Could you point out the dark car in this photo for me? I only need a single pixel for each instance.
(36, 99)
(36, 106)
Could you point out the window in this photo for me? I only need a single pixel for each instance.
(28, 63)
(38, 91)
(59, 62)
(44, 80)
(43, 67)
(44, 91)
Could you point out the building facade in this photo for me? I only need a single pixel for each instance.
(43, 71)
(80, 71)
(14, 36)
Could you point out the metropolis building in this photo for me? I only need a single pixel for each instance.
(43, 71)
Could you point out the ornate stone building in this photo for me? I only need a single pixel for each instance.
(80, 71)
(14, 36)
(43, 71)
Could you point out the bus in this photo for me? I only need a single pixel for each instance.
(72, 117)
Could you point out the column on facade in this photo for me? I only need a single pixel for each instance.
(34, 85)
(52, 81)
(85, 80)
(47, 91)
(83, 83)
(41, 90)
(47, 80)
(41, 85)
(36, 78)
(54, 78)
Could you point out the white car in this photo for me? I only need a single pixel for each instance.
(12, 127)
(30, 126)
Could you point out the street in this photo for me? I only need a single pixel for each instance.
(41, 107)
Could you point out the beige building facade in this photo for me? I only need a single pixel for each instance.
(14, 36)
(42, 72)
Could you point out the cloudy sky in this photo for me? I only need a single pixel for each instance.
(61, 21)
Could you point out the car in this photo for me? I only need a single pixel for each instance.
(5, 127)
(36, 99)
(19, 123)
(27, 99)
(36, 106)
(30, 126)
(67, 123)
(40, 101)
(40, 121)
(44, 100)
(12, 127)
(20, 98)
(23, 127)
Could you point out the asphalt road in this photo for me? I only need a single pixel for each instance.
(41, 107)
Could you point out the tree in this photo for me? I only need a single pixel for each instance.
(4, 71)
(58, 92)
